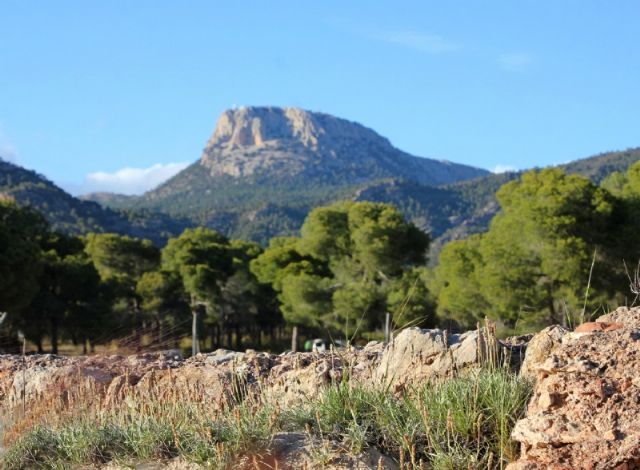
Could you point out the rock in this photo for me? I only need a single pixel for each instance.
(629, 317)
(293, 142)
(294, 450)
(418, 355)
(583, 413)
(413, 357)
(221, 356)
(539, 348)
(591, 327)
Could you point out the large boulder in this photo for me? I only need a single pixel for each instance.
(417, 355)
(628, 316)
(583, 413)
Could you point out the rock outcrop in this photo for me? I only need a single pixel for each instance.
(583, 414)
(271, 141)
(418, 355)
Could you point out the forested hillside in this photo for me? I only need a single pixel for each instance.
(351, 264)
(73, 216)
(258, 207)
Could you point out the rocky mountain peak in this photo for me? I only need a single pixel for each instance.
(292, 143)
(255, 126)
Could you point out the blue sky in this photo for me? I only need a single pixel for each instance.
(121, 94)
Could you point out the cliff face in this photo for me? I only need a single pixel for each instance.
(269, 141)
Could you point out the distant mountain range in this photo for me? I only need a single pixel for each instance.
(74, 216)
(265, 168)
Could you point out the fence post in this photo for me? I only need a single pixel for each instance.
(294, 339)
(387, 328)
(195, 345)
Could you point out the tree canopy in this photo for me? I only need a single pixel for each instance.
(348, 267)
(534, 262)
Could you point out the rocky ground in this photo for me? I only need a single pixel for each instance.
(582, 414)
(413, 357)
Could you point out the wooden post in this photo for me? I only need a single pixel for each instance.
(195, 345)
(294, 339)
(387, 328)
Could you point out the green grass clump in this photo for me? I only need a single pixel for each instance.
(464, 422)
(459, 423)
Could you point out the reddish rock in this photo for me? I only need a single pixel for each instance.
(598, 326)
(583, 413)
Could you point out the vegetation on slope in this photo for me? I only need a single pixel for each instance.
(260, 207)
(464, 422)
(73, 216)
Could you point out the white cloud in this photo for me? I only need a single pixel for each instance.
(503, 169)
(431, 43)
(8, 151)
(131, 180)
(515, 61)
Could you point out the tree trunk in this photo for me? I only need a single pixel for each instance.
(238, 337)
(258, 336)
(158, 328)
(553, 315)
(54, 335)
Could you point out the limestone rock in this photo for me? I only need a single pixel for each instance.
(630, 317)
(418, 355)
(583, 413)
(539, 349)
(258, 141)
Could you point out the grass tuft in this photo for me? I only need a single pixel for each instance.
(464, 422)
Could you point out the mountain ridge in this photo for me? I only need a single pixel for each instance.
(341, 160)
(74, 216)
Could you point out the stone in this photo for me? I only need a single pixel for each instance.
(416, 355)
(540, 348)
(628, 316)
(591, 327)
(584, 408)
(293, 142)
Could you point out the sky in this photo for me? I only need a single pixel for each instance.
(119, 95)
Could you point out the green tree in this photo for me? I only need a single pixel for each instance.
(340, 272)
(533, 264)
(121, 261)
(69, 300)
(203, 260)
(163, 300)
(409, 300)
(456, 282)
(21, 232)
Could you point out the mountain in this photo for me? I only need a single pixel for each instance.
(598, 167)
(279, 143)
(264, 168)
(71, 215)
